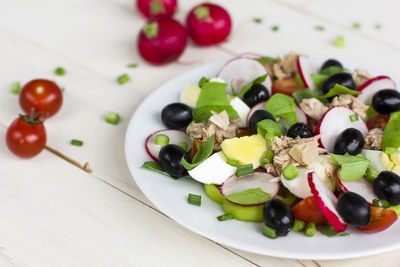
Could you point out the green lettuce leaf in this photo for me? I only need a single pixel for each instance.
(213, 98)
(328, 230)
(249, 196)
(353, 168)
(156, 166)
(282, 106)
(204, 151)
(268, 129)
(339, 90)
(391, 136)
(306, 93)
(250, 84)
(265, 60)
(332, 70)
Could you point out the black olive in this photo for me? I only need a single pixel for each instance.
(176, 116)
(354, 209)
(349, 141)
(170, 159)
(387, 187)
(331, 63)
(342, 78)
(257, 116)
(256, 94)
(386, 101)
(278, 216)
(299, 129)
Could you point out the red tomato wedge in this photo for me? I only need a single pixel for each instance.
(381, 219)
(308, 211)
(286, 86)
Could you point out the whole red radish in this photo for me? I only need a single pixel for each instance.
(208, 24)
(161, 41)
(157, 8)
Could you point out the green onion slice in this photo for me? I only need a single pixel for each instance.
(112, 117)
(244, 170)
(76, 142)
(225, 217)
(194, 199)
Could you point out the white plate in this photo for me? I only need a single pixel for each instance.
(170, 196)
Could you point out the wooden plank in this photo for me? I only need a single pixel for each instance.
(387, 259)
(56, 215)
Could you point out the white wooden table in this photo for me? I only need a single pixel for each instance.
(53, 213)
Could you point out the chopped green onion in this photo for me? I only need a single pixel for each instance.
(202, 81)
(112, 117)
(275, 28)
(225, 217)
(124, 78)
(132, 66)
(340, 42)
(244, 170)
(390, 150)
(59, 71)
(268, 157)
(380, 203)
(233, 162)
(356, 25)
(370, 175)
(162, 140)
(298, 225)
(354, 117)
(257, 20)
(15, 88)
(269, 232)
(396, 209)
(62, 89)
(194, 199)
(310, 229)
(290, 172)
(184, 145)
(320, 28)
(378, 26)
(76, 142)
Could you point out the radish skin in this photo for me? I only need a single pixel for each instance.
(326, 201)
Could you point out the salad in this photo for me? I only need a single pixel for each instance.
(298, 147)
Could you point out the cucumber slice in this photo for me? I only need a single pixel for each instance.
(213, 193)
(244, 213)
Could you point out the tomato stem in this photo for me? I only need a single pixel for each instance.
(32, 119)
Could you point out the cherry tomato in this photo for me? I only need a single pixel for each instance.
(42, 95)
(378, 121)
(286, 86)
(381, 219)
(26, 137)
(308, 211)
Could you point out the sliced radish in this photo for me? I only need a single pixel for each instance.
(326, 202)
(262, 180)
(301, 116)
(238, 72)
(250, 55)
(299, 185)
(256, 107)
(361, 187)
(370, 87)
(334, 122)
(175, 137)
(306, 68)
